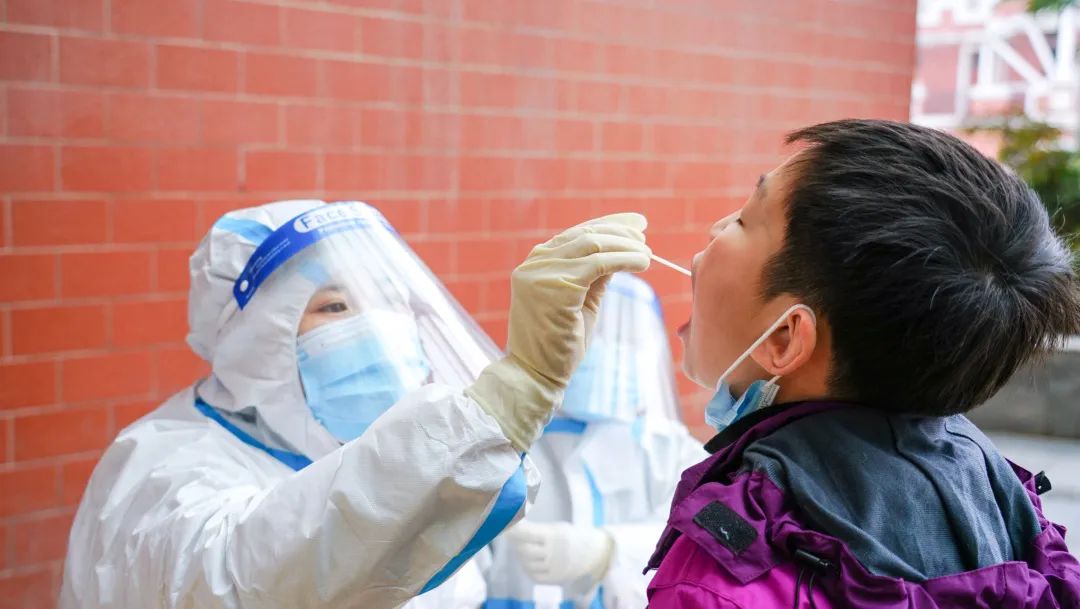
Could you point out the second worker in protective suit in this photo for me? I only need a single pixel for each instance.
(355, 443)
(609, 461)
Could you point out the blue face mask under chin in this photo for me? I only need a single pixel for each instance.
(724, 408)
(355, 369)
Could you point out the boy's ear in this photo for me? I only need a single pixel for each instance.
(790, 346)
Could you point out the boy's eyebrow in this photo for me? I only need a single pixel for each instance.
(761, 182)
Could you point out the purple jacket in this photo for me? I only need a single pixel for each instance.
(835, 505)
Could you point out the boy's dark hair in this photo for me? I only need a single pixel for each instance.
(935, 266)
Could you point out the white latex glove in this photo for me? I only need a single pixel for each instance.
(560, 553)
(555, 296)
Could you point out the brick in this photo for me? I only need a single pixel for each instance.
(699, 175)
(27, 277)
(641, 101)
(546, 134)
(391, 38)
(468, 293)
(172, 269)
(42, 113)
(437, 255)
(49, 329)
(483, 90)
(106, 168)
(30, 384)
(622, 137)
(146, 118)
(119, 63)
(194, 69)
(462, 216)
(667, 214)
(322, 126)
(59, 222)
(497, 294)
(71, 431)
(149, 322)
(315, 29)
(74, 475)
(29, 588)
(27, 168)
(573, 135)
(26, 490)
(544, 173)
(599, 97)
(390, 5)
(178, 368)
(393, 129)
(405, 216)
(561, 214)
(198, 169)
(105, 274)
(439, 87)
(372, 82)
(280, 171)
(576, 56)
(166, 18)
(25, 57)
(5, 331)
(232, 122)
(106, 376)
(483, 47)
(488, 132)
(358, 173)
(442, 40)
(281, 75)
(127, 413)
(487, 173)
(365, 173)
(155, 221)
(495, 327)
(81, 14)
(424, 173)
(42, 539)
(484, 256)
(517, 215)
(220, 19)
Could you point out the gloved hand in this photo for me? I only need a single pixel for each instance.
(561, 553)
(555, 296)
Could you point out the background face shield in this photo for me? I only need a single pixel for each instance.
(627, 372)
(361, 283)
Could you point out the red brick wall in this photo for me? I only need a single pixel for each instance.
(478, 126)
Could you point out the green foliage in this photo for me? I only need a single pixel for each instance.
(1039, 5)
(1031, 149)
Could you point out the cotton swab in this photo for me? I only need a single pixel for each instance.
(670, 265)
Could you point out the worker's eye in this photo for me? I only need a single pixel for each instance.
(334, 307)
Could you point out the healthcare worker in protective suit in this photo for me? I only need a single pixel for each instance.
(609, 461)
(354, 444)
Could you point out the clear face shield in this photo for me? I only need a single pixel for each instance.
(374, 324)
(627, 371)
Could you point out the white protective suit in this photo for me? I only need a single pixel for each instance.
(610, 459)
(232, 495)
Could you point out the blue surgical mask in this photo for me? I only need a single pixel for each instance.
(355, 369)
(724, 408)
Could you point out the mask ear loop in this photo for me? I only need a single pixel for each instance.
(771, 385)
